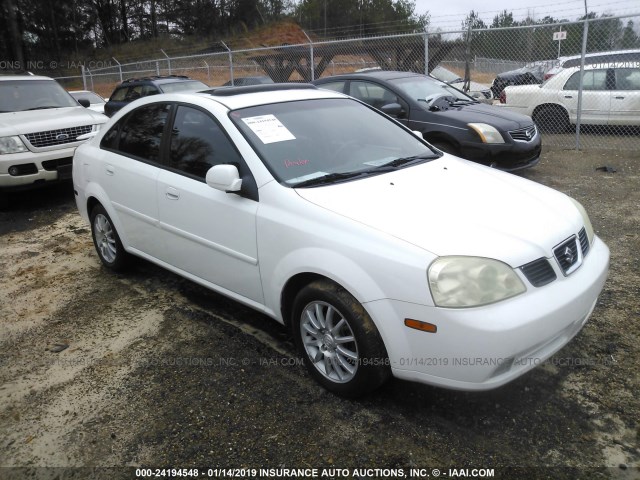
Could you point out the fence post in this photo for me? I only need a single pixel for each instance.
(585, 33)
(119, 68)
(467, 55)
(426, 49)
(230, 61)
(208, 72)
(313, 63)
(168, 60)
(84, 78)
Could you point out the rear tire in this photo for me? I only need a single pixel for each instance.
(107, 241)
(551, 119)
(339, 343)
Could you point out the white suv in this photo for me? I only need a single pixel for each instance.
(39, 128)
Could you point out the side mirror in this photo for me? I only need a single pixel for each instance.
(84, 102)
(393, 110)
(224, 177)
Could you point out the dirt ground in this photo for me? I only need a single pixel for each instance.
(155, 371)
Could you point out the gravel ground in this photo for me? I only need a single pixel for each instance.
(147, 369)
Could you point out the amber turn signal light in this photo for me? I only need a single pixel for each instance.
(422, 326)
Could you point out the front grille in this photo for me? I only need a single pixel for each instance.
(584, 241)
(57, 137)
(539, 272)
(52, 165)
(524, 134)
(567, 255)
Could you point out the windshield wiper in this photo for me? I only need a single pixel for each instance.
(41, 108)
(330, 178)
(403, 161)
(462, 101)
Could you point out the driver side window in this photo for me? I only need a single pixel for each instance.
(375, 95)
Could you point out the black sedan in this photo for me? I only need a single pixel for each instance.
(446, 117)
(532, 75)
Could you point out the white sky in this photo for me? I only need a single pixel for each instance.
(449, 14)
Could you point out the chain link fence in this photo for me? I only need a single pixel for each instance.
(514, 68)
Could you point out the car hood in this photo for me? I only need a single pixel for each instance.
(451, 206)
(20, 123)
(482, 113)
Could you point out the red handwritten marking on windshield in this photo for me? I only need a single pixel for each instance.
(295, 163)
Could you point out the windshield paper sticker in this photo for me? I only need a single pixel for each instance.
(268, 129)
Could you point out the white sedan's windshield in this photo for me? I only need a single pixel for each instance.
(313, 139)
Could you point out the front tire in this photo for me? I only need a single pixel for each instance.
(341, 346)
(107, 241)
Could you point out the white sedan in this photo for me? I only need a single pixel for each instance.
(611, 96)
(333, 219)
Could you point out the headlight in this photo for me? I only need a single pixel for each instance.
(585, 219)
(11, 145)
(488, 134)
(472, 281)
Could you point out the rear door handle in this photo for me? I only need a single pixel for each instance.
(110, 170)
(619, 98)
(568, 96)
(172, 193)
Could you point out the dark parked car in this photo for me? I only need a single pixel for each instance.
(532, 75)
(244, 81)
(134, 88)
(446, 117)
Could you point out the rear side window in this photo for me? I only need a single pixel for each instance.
(142, 130)
(593, 80)
(627, 78)
(198, 143)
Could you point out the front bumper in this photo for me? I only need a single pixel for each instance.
(485, 347)
(36, 168)
(504, 156)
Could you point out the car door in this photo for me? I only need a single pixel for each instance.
(596, 97)
(129, 171)
(378, 96)
(625, 97)
(208, 233)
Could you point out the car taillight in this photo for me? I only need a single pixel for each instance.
(503, 97)
(547, 76)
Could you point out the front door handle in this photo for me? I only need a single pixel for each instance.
(110, 170)
(172, 193)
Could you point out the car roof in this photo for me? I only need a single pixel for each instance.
(241, 97)
(601, 65)
(157, 79)
(379, 74)
(613, 53)
(26, 77)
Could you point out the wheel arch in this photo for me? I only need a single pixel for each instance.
(96, 196)
(551, 105)
(439, 136)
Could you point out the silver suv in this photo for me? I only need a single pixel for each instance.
(39, 128)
